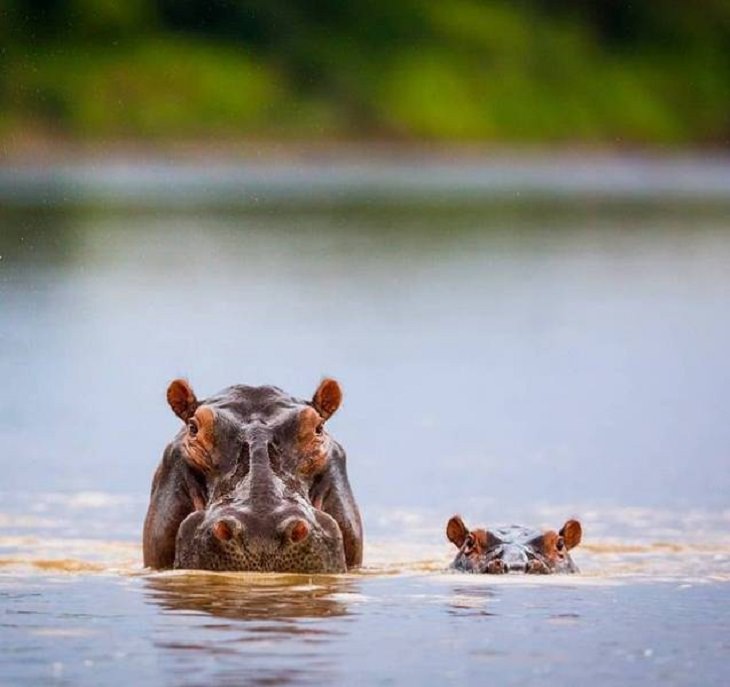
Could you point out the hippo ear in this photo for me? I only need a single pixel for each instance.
(181, 398)
(456, 531)
(327, 398)
(572, 533)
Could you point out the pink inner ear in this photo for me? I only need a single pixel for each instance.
(182, 399)
(572, 533)
(456, 531)
(327, 398)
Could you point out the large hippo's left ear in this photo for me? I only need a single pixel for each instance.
(572, 533)
(327, 398)
(182, 400)
(456, 531)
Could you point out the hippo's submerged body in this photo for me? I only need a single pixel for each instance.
(253, 482)
(514, 548)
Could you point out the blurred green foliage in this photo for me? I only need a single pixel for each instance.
(468, 70)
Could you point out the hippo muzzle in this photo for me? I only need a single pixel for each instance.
(230, 537)
(515, 558)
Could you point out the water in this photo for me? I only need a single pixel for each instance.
(522, 360)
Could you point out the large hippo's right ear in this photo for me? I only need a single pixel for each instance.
(182, 400)
(456, 531)
(572, 533)
(327, 398)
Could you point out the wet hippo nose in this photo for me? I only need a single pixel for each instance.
(515, 559)
(295, 530)
(242, 528)
(226, 528)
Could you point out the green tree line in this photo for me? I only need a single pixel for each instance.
(457, 70)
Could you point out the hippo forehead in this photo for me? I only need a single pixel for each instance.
(517, 535)
(262, 404)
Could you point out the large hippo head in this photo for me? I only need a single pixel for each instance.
(253, 481)
(514, 548)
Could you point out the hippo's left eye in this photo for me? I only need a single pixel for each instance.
(319, 429)
(192, 428)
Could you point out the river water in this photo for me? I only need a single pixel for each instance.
(513, 359)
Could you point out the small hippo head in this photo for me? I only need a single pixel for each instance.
(514, 548)
(261, 473)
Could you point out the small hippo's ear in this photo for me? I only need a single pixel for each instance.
(572, 533)
(327, 398)
(181, 398)
(456, 531)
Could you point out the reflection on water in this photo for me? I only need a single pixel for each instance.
(251, 597)
(648, 607)
(259, 629)
(404, 629)
(472, 601)
(518, 362)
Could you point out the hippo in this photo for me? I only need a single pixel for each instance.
(253, 481)
(514, 548)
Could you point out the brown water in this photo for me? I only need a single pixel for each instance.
(515, 362)
(77, 608)
(645, 609)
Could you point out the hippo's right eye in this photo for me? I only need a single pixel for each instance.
(469, 543)
(192, 428)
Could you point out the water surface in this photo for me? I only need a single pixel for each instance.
(523, 361)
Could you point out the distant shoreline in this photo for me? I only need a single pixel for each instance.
(253, 176)
(31, 150)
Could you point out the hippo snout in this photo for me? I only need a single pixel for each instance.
(288, 540)
(515, 559)
(245, 529)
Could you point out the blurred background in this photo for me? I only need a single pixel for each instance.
(509, 71)
(503, 226)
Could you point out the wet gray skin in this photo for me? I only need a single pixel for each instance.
(253, 482)
(514, 548)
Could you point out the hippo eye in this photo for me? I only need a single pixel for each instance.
(192, 428)
(469, 543)
(560, 545)
(319, 429)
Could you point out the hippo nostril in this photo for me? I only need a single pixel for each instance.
(297, 531)
(222, 531)
(515, 558)
(225, 529)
